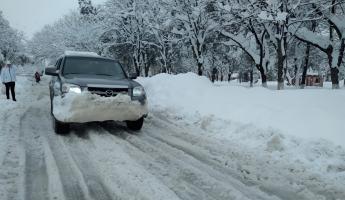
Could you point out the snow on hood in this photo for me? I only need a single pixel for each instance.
(87, 107)
(309, 113)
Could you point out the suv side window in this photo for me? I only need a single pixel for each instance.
(58, 64)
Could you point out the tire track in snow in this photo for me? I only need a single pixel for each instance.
(12, 162)
(74, 176)
(93, 181)
(36, 177)
(69, 177)
(63, 182)
(187, 176)
(178, 137)
(69, 174)
(175, 177)
(182, 140)
(41, 163)
(127, 178)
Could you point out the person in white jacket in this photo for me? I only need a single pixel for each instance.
(8, 77)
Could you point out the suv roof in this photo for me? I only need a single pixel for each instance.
(82, 54)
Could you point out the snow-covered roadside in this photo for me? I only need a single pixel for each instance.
(281, 166)
(285, 142)
(25, 77)
(12, 153)
(8, 109)
(311, 114)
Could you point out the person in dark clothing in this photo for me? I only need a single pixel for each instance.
(37, 77)
(8, 77)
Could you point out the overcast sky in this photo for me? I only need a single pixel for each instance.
(30, 16)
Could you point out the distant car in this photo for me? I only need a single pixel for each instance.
(78, 72)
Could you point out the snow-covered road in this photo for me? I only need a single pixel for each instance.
(168, 159)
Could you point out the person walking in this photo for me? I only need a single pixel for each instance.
(8, 77)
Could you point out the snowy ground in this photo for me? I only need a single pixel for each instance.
(312, 113)
(239, 149)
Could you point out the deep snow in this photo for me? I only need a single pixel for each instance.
(312, 114)
(184, 151)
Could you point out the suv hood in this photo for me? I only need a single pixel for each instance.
(99, 80)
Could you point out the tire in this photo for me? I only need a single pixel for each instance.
(51, 106)
(60, 127)
(135, 125)
(51, 102)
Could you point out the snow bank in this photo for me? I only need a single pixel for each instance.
(288, 143)
(310, 113)
(87, 107)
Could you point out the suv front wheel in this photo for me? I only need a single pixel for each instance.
(135, 125)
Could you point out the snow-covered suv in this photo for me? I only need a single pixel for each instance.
(86, 87)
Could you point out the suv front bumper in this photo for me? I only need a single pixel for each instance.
(87, 107)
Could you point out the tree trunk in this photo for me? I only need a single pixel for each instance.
(331, 26)
(136, 60)
(251, 78)
(280, 67)
(200, 69)
(297, 75)
(305, 67)
(147, 69)
(334, 70)
(335, 77)
(263, 76)
(229, 77)
(137, 68)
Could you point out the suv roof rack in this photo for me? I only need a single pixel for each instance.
(81, 53)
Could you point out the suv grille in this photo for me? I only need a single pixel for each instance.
(107, 92)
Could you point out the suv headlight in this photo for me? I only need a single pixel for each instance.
(70, 88)
(138, 91)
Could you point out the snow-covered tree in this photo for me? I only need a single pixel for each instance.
(126, 32)
(275, 16)
(166, 42)
(10, 40)
(72, 32)
(326, 13)
(194, 22)
(153, 36)
(243, 29)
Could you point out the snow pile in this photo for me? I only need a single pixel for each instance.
(87, 107)
(289, 143)
(311, 114)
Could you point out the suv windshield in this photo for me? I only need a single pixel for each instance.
(92, 66)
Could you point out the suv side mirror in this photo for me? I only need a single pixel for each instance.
(133, 76)
(51, 71)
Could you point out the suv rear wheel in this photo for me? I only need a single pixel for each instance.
(135, 125)
(60, 127)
